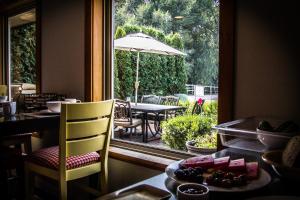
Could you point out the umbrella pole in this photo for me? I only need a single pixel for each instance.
(137, 76)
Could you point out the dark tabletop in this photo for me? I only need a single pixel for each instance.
(27, 123)
(276, 187)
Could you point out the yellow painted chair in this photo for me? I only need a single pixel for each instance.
(84, 138)
(3, 90)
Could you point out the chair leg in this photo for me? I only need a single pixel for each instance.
(103, 180)
(4, 189)
(29, 183)
(63, 190)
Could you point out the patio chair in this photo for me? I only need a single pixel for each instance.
(123, 118)
(198, 108)
(169, 100)
(150, 99)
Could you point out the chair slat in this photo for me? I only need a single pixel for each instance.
(88, 110)
(86, 128)
(83, 146)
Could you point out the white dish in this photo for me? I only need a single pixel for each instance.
(48, 112)
(54, 106)
(263, 180)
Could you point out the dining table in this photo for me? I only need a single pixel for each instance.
(278, 188)
(155, 109)
(27, 123)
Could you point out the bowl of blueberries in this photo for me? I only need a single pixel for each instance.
(192, 191)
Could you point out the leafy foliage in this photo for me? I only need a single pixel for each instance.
(23, 49)
(178, 130)
(158, 74)
(207, 140)
(198, 28)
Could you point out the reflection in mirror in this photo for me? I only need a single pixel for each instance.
(22, 70)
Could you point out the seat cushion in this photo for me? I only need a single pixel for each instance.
(48, 157)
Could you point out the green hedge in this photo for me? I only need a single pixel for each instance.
(23, 49)
(178, 130)
(158, 74)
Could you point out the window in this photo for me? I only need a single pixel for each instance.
(21, 47)
(192, 27)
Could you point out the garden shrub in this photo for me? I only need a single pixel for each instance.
(178, 130)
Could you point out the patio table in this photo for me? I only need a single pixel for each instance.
(152, 108)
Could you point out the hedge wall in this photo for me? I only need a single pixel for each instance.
(23, 48)
(158, 74)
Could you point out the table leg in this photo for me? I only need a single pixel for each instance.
(146, 126)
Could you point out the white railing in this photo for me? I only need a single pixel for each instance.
(201, 90)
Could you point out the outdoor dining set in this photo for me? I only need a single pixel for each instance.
(148, 114)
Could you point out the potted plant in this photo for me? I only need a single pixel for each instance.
(203, 144)
(190, 132)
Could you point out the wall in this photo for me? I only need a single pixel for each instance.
(63, 47)
(267, 59)
(122, 174)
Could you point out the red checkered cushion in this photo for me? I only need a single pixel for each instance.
(48, 157)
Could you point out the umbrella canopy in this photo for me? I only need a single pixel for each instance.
(144, 43)
(140, 42)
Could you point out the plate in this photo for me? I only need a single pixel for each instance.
(263, 180)
(141, 192)
(47, 112)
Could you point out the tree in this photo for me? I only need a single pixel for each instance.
(198, 28)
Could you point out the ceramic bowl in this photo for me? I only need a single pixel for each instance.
(182, 195)
(3, 98)
(274, 158)
(54, 106)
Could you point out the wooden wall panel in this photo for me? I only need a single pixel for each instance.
(1, 49)
(94, 50)
(226, 62)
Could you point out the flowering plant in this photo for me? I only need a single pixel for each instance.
(200, 101)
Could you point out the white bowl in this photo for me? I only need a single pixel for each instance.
(3, 98)
(273, 140)
(54, 106)
(181, 195)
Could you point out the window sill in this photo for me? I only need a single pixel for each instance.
(138, 158)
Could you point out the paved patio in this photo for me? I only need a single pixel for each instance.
(137, 137)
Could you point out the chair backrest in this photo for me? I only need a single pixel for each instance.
(123, 111)
(85, 128)
(33, 102)
(150, 99)
(3, 90)
(197, 108)
(169, 100)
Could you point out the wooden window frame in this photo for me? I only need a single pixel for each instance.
(98, 54)
(8, 10)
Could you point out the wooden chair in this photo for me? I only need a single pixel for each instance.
(84, 137)
(12, 159)
(123, 117)
(3, 90)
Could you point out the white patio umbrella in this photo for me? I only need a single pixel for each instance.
(140, 42)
